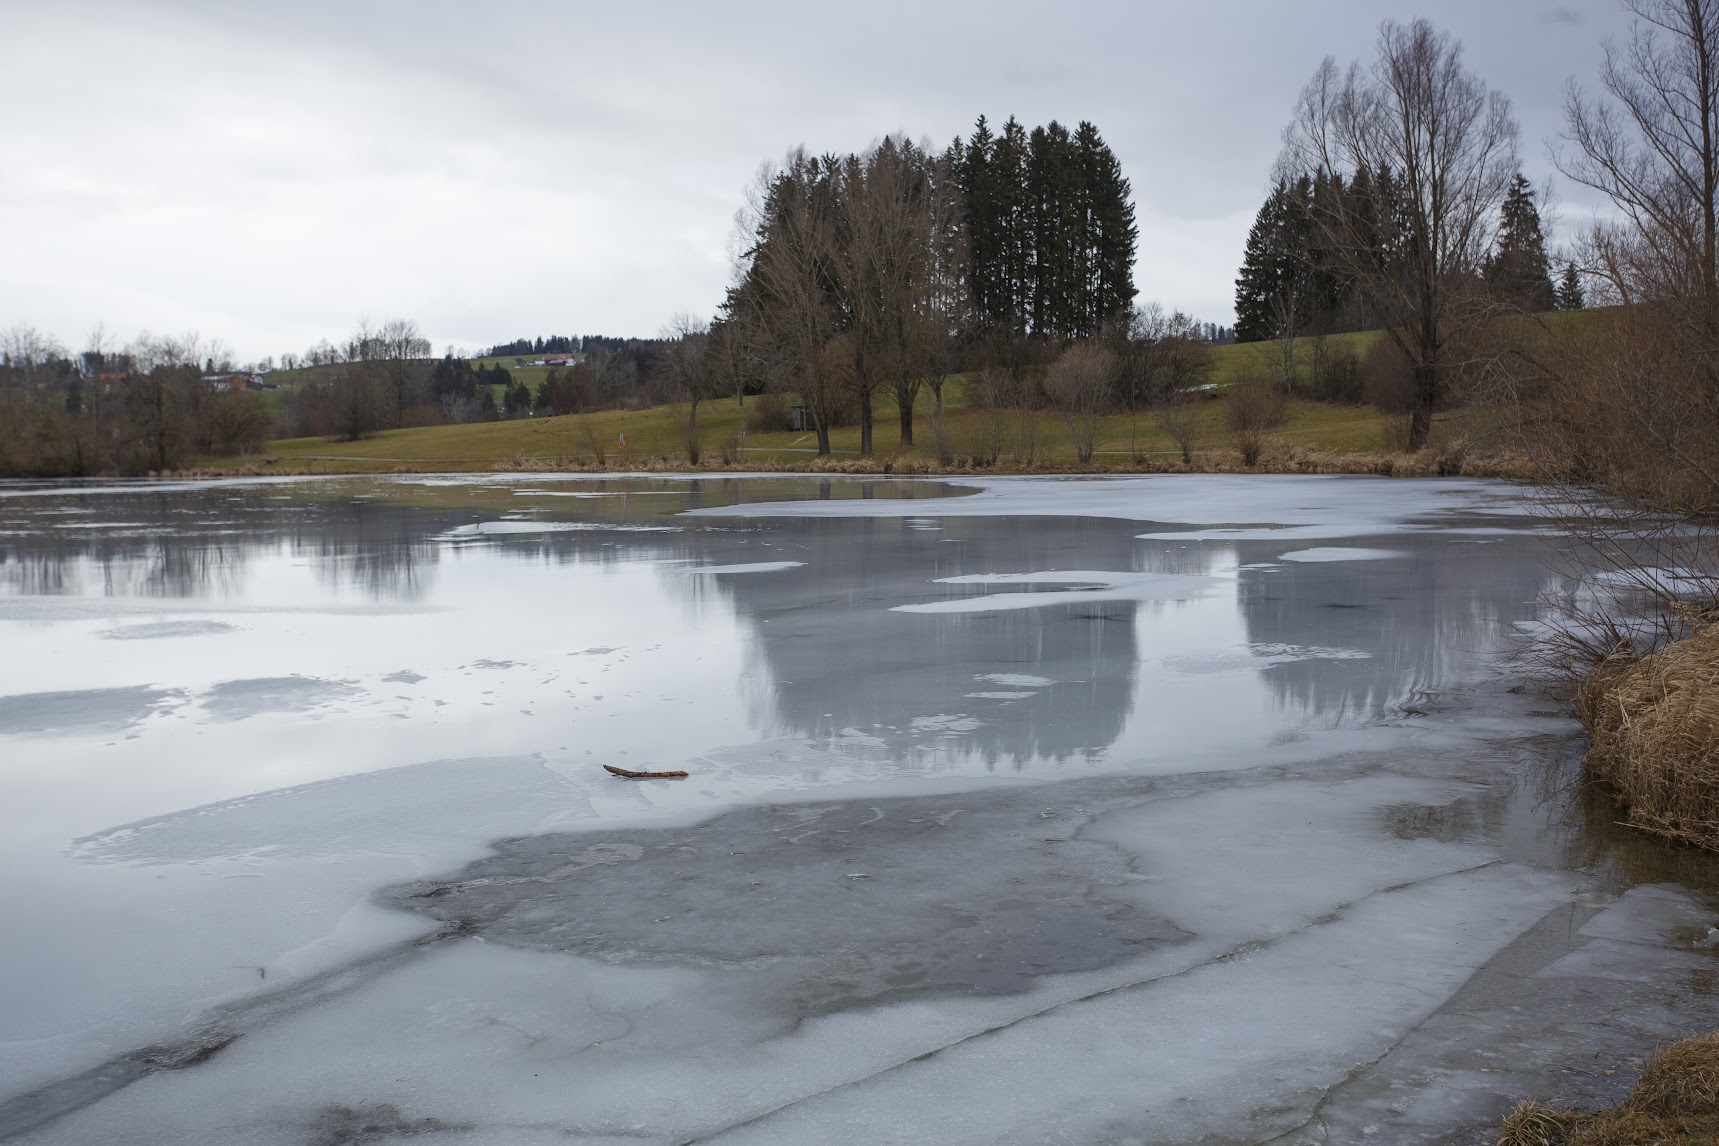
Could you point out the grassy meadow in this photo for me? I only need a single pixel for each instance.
(1314, 436)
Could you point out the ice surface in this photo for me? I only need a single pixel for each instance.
(1337, 553)
(83, 710)
(1003, 823)
(1277, 506)
(1095, 586)
(735, 1001)
(158, 630)
(502, 528)
(238, 699)
(747, 567)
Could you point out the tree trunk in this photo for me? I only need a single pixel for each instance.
(865, 420)
(906, 408)
(1425, 398)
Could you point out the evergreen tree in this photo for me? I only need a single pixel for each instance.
(546, 392)
(1111, 233)
(1050, 230)
(1570, 295)
(1284, 285)
(1257, 282)
(517, 399)
(1519, 271)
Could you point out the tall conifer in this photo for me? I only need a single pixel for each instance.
(1519, 270)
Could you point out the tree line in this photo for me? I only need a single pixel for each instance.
(147, 406)
(1291, 284)
(886, 272)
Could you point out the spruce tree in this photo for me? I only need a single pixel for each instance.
(1015, 218)
(1256, 284)
(1570, 295)
(1111, 233)
(1050, 230)
(1284, 286)
(1519, 271)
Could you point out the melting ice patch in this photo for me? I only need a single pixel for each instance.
(157, 630)
(82, 710)
(238, 699)
(503, 528)
(1255, 657)
(1016, 679)
(428, 804)
(1248, 505)
(1338, 553)
(945, 722)
(1098, 585)
(745, 567)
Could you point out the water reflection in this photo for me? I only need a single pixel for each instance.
(1048, 682)
(1335, 642)
(1421, 618)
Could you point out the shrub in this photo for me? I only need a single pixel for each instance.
(769, 414)
(1386, 380)
(1255, 406)
(1337, 376)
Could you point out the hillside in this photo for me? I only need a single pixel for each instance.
(655, 436)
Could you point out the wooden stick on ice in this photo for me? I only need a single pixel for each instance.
(631, 775)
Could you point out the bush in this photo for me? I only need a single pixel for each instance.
(1255, 406)
(769, 414)
(1337, 377)
(1386, 380)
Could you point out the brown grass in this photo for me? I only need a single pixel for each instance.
(1675, 1100)
(1276, 457)
(1655, 729)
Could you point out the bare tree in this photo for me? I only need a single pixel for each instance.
(1180, 421)
(356, 403)
(1653, 150)
(787, 295)
(1081, 383)
(889, 202)
(1441, 149)
(390, 353)
(685, 367)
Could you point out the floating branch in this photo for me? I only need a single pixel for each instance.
(631, 775)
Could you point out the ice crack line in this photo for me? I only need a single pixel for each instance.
(219, 1029)
(1245, 948)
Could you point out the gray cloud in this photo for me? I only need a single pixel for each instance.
(268, 173)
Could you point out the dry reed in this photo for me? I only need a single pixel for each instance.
(1676, 1099)
(1654, 723)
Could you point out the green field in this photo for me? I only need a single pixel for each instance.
(656, 436)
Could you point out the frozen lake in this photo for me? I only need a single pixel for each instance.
(1026, 810)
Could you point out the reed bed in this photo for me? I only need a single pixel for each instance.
(1654, 724)
(1676, 1100)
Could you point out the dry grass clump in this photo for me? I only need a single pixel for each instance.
(1676, 1099)
(1655, 729)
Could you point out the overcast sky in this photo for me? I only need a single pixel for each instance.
(270, 172)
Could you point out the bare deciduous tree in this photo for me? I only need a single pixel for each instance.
(1082, 383)
(1653, 150)
(786, 297)
(1179, 419)
(1442, 145)
(685, 366)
